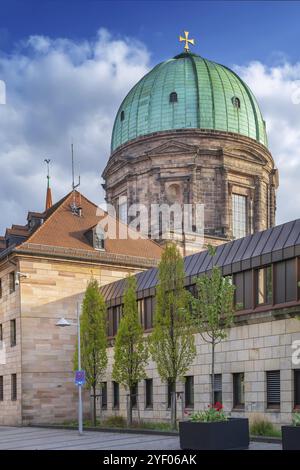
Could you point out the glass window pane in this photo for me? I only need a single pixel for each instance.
(239, 215)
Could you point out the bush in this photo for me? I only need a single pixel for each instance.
(296, 418)
(262, 427)
(113, 422)
(213, 413)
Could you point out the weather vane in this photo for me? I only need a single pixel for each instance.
(47, 161)
(187, 41)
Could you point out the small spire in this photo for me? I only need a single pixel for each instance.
(48, 193)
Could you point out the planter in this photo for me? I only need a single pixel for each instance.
(222, 435)
(290, 437)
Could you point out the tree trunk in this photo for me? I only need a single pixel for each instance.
(129, 408)
(94, 407)
(212, 398)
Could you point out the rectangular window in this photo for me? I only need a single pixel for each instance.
(264, 286)
(148, 312)
(1, 332)
(116, 316)
(273, 389)
(239, 216)
(239, 390)
(170, 390)
(116, 395)
(13, 387)
(297, 388)
(123, 216)
(13, 333)
(218, 388)
(149, 393)
(12, 282)
(1, 388)
(189, 391)
(104, 395)
(0, 288)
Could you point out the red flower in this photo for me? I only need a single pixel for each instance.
(218, 406)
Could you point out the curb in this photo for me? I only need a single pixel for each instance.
(266, 439)
(112, 430)
(269, 440)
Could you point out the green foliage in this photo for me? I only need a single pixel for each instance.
(211, 415)
(213, 306)
(131, 351)
(262, 427)
(172, 343)
(93, 336)
(296, 418)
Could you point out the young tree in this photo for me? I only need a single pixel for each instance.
(93, 339)
(172, 342)
(131, 351)
(213, 309)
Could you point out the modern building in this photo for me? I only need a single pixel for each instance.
(44, 270)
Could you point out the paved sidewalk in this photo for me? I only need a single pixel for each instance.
(13, 438)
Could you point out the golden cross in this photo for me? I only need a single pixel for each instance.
(187, 41)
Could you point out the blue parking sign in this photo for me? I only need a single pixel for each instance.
(80, 377)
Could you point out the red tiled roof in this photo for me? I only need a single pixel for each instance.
(62, 228)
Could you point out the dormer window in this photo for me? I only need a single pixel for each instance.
(236, 102)
(173, 97)
(122, 115)
(98, 238)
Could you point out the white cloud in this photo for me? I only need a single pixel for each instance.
(277, 90)
(60, 90)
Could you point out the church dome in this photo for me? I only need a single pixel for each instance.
(188, 92)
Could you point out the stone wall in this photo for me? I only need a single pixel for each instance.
(10, 411)
(204, 167)
(43, 356)
(252, 349)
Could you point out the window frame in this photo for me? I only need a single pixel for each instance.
(13, 333)
(271, 405)
(103, 394)
(236, 403)
(296, 389)
(116, 395)
(269, 267)
(14, 387)
(235, 196)
(148, 403)
(189, 392)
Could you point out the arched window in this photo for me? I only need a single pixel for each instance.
(173, 97)
(122, 115)
(236, 102)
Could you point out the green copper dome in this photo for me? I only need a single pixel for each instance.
(188, 92)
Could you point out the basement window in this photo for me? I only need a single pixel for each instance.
(173, 97)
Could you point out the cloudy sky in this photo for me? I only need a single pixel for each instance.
(67, 70)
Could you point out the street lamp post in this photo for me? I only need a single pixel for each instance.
(62, 323)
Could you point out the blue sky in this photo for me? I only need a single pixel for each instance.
(67, 66)
(229, 32)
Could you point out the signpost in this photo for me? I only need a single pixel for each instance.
(80, 378)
